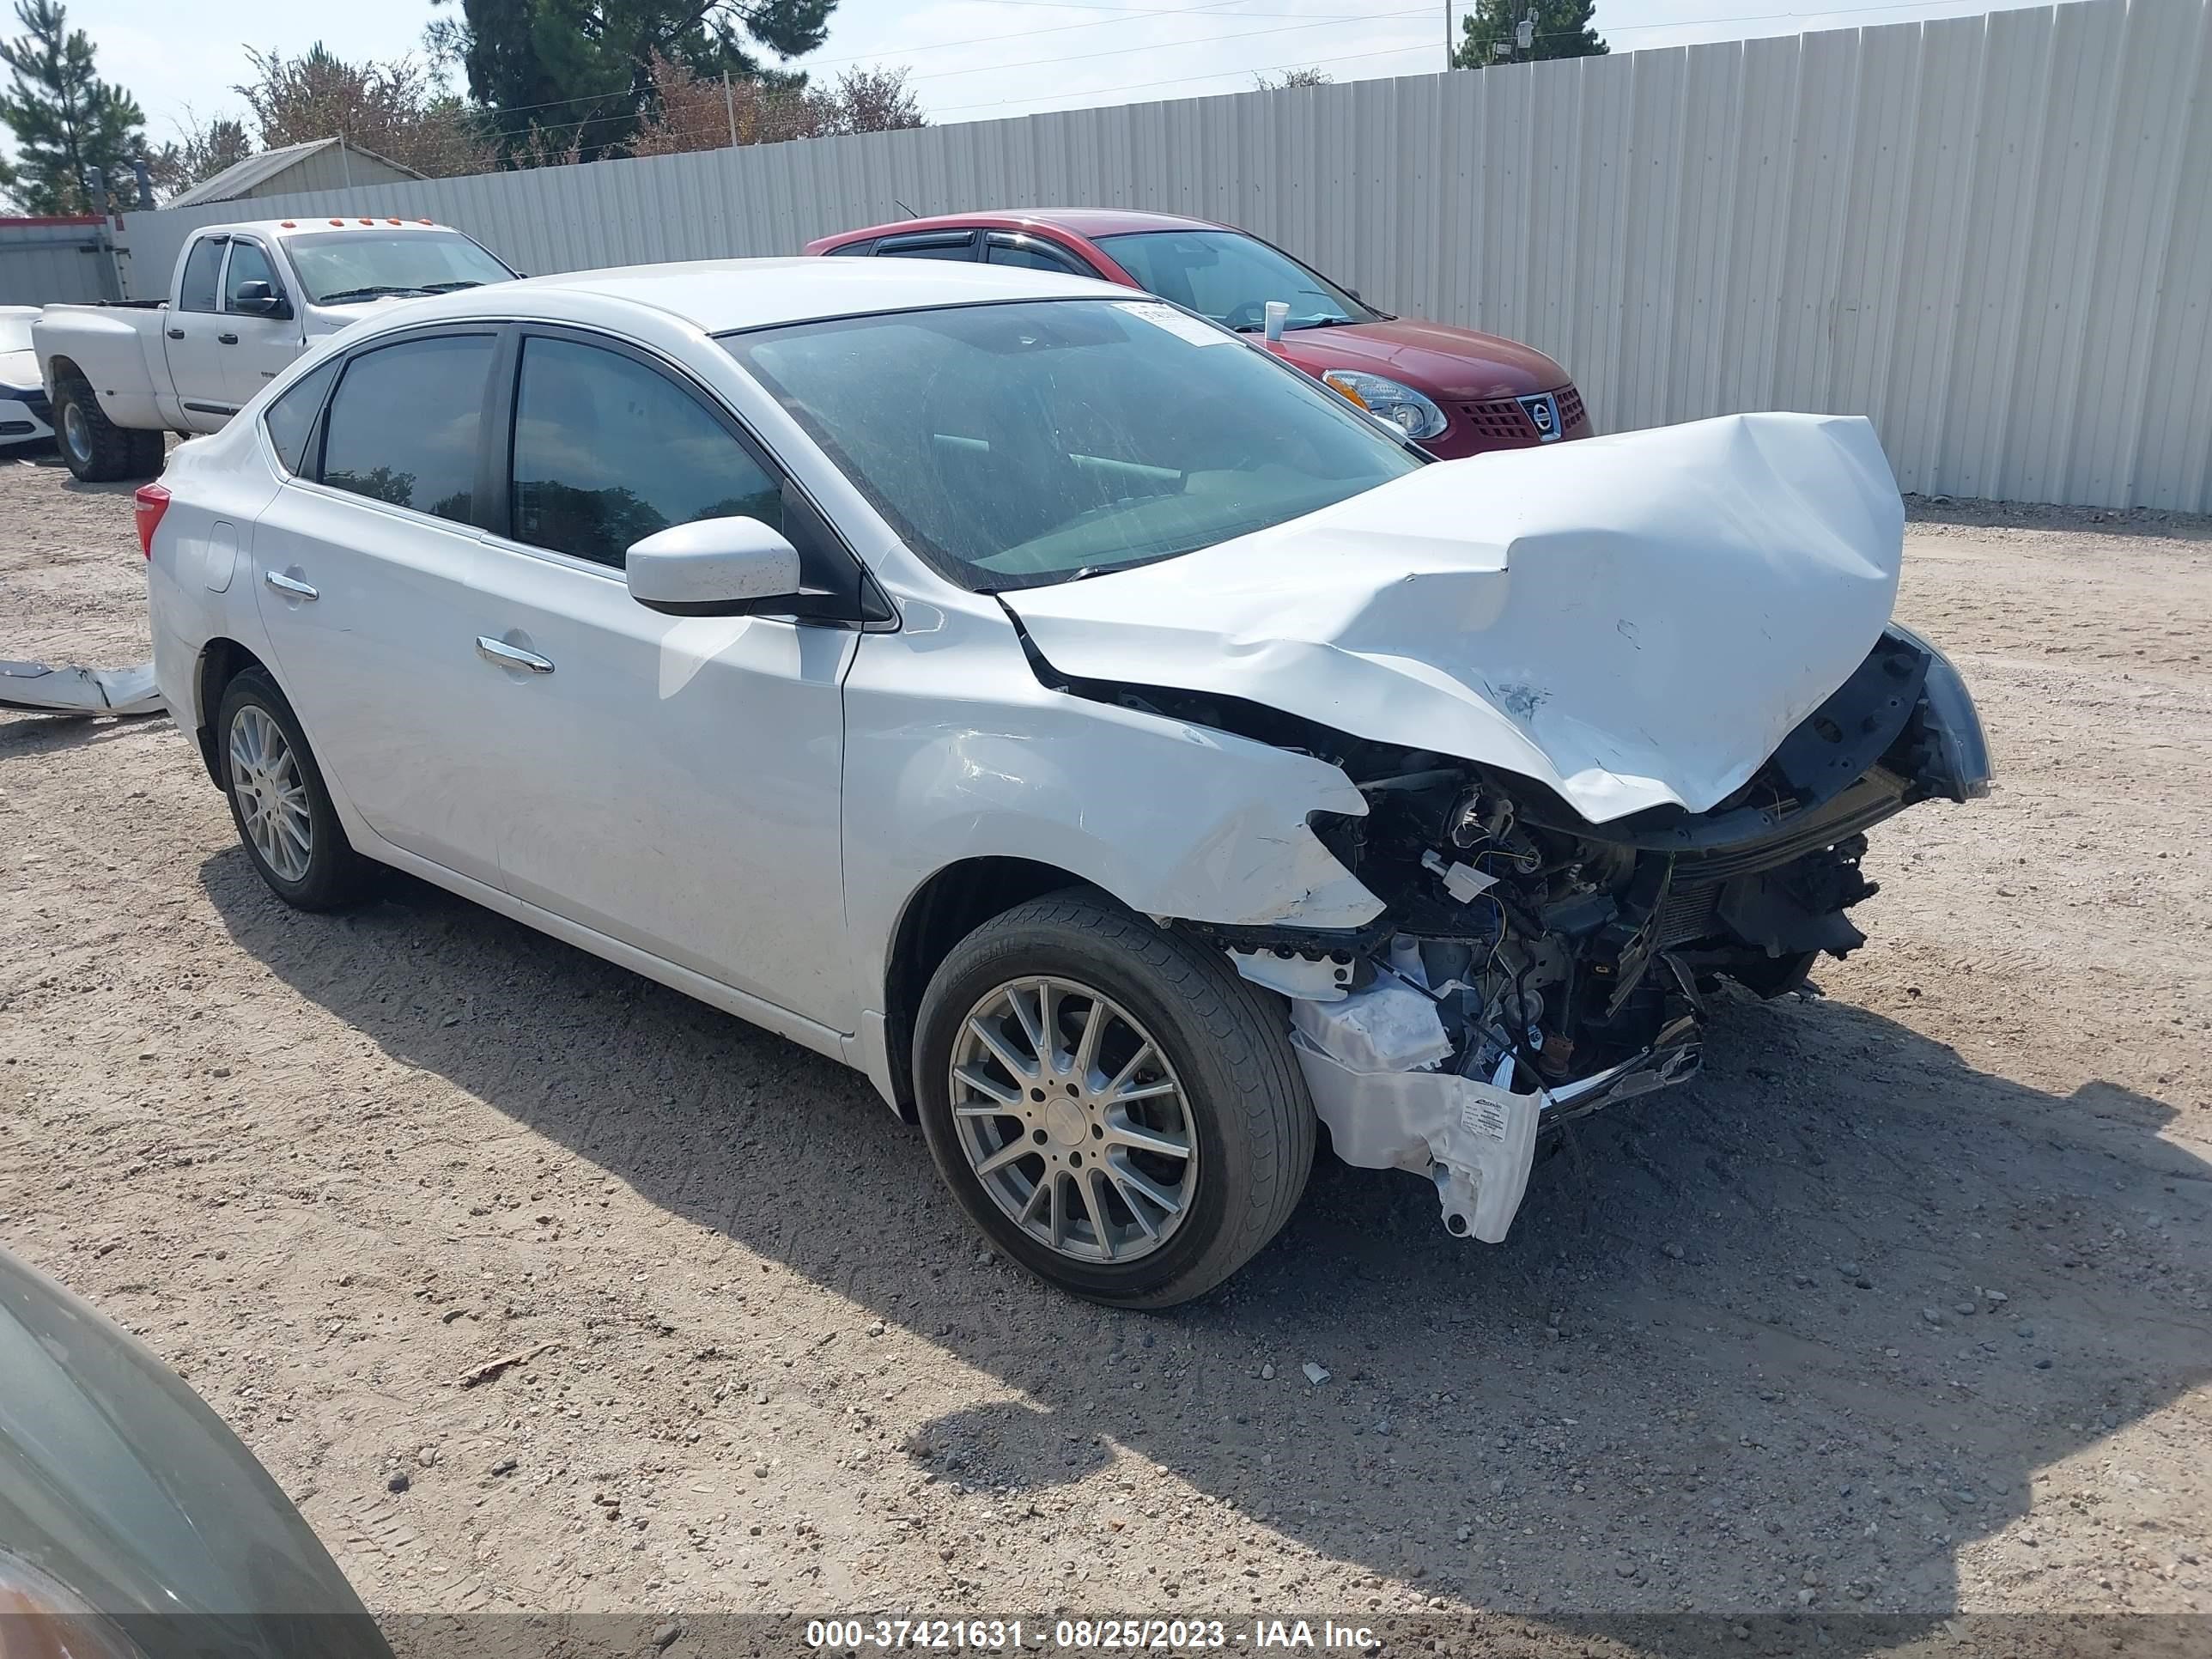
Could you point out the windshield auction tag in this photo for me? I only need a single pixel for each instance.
(1176, 323)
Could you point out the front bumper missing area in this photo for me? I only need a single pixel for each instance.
(1476, 1140)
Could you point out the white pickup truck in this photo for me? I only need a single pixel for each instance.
(244, 301)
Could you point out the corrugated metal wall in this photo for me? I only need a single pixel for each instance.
(1992, 235)
(336, 168)
(46, 262)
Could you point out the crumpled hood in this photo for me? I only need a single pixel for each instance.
(1634, 620)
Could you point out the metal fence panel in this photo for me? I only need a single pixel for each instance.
(1993, 236)
(46, 262)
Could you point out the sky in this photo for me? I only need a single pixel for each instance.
(970, 59)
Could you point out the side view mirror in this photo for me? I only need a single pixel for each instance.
(714, 568)
(259, 300)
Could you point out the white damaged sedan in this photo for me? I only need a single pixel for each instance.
(1121, 748)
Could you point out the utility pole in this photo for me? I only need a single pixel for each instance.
(730, 106)
(1448, 34)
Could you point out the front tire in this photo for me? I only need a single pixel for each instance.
(92, 447)
(1114, 1106)
(278, 801)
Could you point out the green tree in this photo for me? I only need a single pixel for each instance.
(1563, 30)
(585, 65)
(65, 118)
(397, 110)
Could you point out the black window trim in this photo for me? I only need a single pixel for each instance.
(888, 248)
(319, 436)
(864, 606)
(1029, 242)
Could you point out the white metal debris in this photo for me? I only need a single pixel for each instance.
(43, 689)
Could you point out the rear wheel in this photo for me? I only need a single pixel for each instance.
(95, 449)
(284, 813)
(1114, 1106)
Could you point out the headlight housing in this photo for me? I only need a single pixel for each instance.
(38, 1616)
(1962, 769)
(1415, 416)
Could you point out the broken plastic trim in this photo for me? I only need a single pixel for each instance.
(1476, 1140)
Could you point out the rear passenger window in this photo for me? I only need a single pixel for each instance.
(292, 417)
(203, 275)
(608, 451)
(405, 421)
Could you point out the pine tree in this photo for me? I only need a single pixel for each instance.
(66, 120)
(585, 66)
(1563, 30)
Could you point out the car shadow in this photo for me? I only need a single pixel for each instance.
(1787, 1339)
(25, 732)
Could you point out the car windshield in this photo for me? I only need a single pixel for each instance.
(15, 334)
(1024, 444)
(338, 266)
(1230, 276)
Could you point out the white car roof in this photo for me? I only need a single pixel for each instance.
(718, 296)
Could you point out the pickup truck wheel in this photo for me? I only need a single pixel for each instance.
(284, 813)
(1115, 1108)
(96, 449)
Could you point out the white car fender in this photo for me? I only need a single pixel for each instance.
(966, 755)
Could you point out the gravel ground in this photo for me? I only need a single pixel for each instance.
(1903, 1308)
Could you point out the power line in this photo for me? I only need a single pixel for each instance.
(1072, 58)
(1175, 46)
(1389, 52)
(1122, 14)
(1212, 39)
(1220, 75)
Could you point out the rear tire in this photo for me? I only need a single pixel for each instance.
(278, 801)
(92, 447)
(1223, 1085)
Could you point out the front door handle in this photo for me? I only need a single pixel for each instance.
(176, 334)
(284, 584)
(511, 656)
(227, 339)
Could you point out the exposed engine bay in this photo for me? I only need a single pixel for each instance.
(1531, 966)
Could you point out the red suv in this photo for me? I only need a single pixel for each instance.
(1453, 391)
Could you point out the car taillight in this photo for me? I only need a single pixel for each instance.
(153, 502)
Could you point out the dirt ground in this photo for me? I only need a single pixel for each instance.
(1903, 1308)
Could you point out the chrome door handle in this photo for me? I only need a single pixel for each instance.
(284, 584)
(511, 656)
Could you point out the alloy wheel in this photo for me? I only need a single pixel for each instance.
(1072, 1120)
(76, 431)
(272, 798)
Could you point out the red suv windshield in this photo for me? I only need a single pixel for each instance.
(1230, 276)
